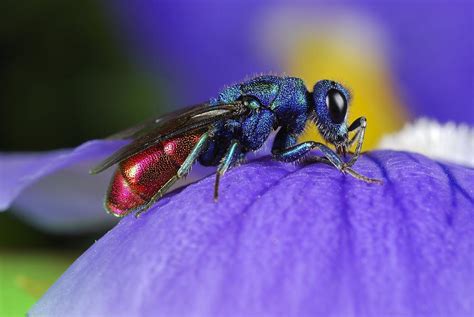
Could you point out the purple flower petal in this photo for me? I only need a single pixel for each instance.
(288, 240)
(56, 191)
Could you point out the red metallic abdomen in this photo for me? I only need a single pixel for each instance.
(139, 177)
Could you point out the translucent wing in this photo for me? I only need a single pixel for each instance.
(199, 117)
(172, 118)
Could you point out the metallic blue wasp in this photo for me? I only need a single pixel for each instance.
(220, 133)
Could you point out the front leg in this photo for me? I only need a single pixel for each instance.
(286, 149)
(298, 151)
(359, 125)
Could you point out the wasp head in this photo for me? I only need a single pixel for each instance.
(331, 101)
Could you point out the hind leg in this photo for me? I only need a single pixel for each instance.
(183, 171)
(232, 155)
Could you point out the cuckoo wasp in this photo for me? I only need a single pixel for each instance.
(221, 131)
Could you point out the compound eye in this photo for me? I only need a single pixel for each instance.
(337, 105)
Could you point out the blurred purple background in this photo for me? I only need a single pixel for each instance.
(197, 47)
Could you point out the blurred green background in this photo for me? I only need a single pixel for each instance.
(61, 69)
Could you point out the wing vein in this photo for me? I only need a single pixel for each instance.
(163, 128)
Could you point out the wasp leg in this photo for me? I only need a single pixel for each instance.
(361, 177)
(232, 155)
(359, 125)
(192, 157)
(298, 151)
(183, 171)
(157, 196)
(349, 170)
(316, 159)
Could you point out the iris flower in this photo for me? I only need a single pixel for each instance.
(283, 240)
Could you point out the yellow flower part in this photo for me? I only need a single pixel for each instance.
(326, 55)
